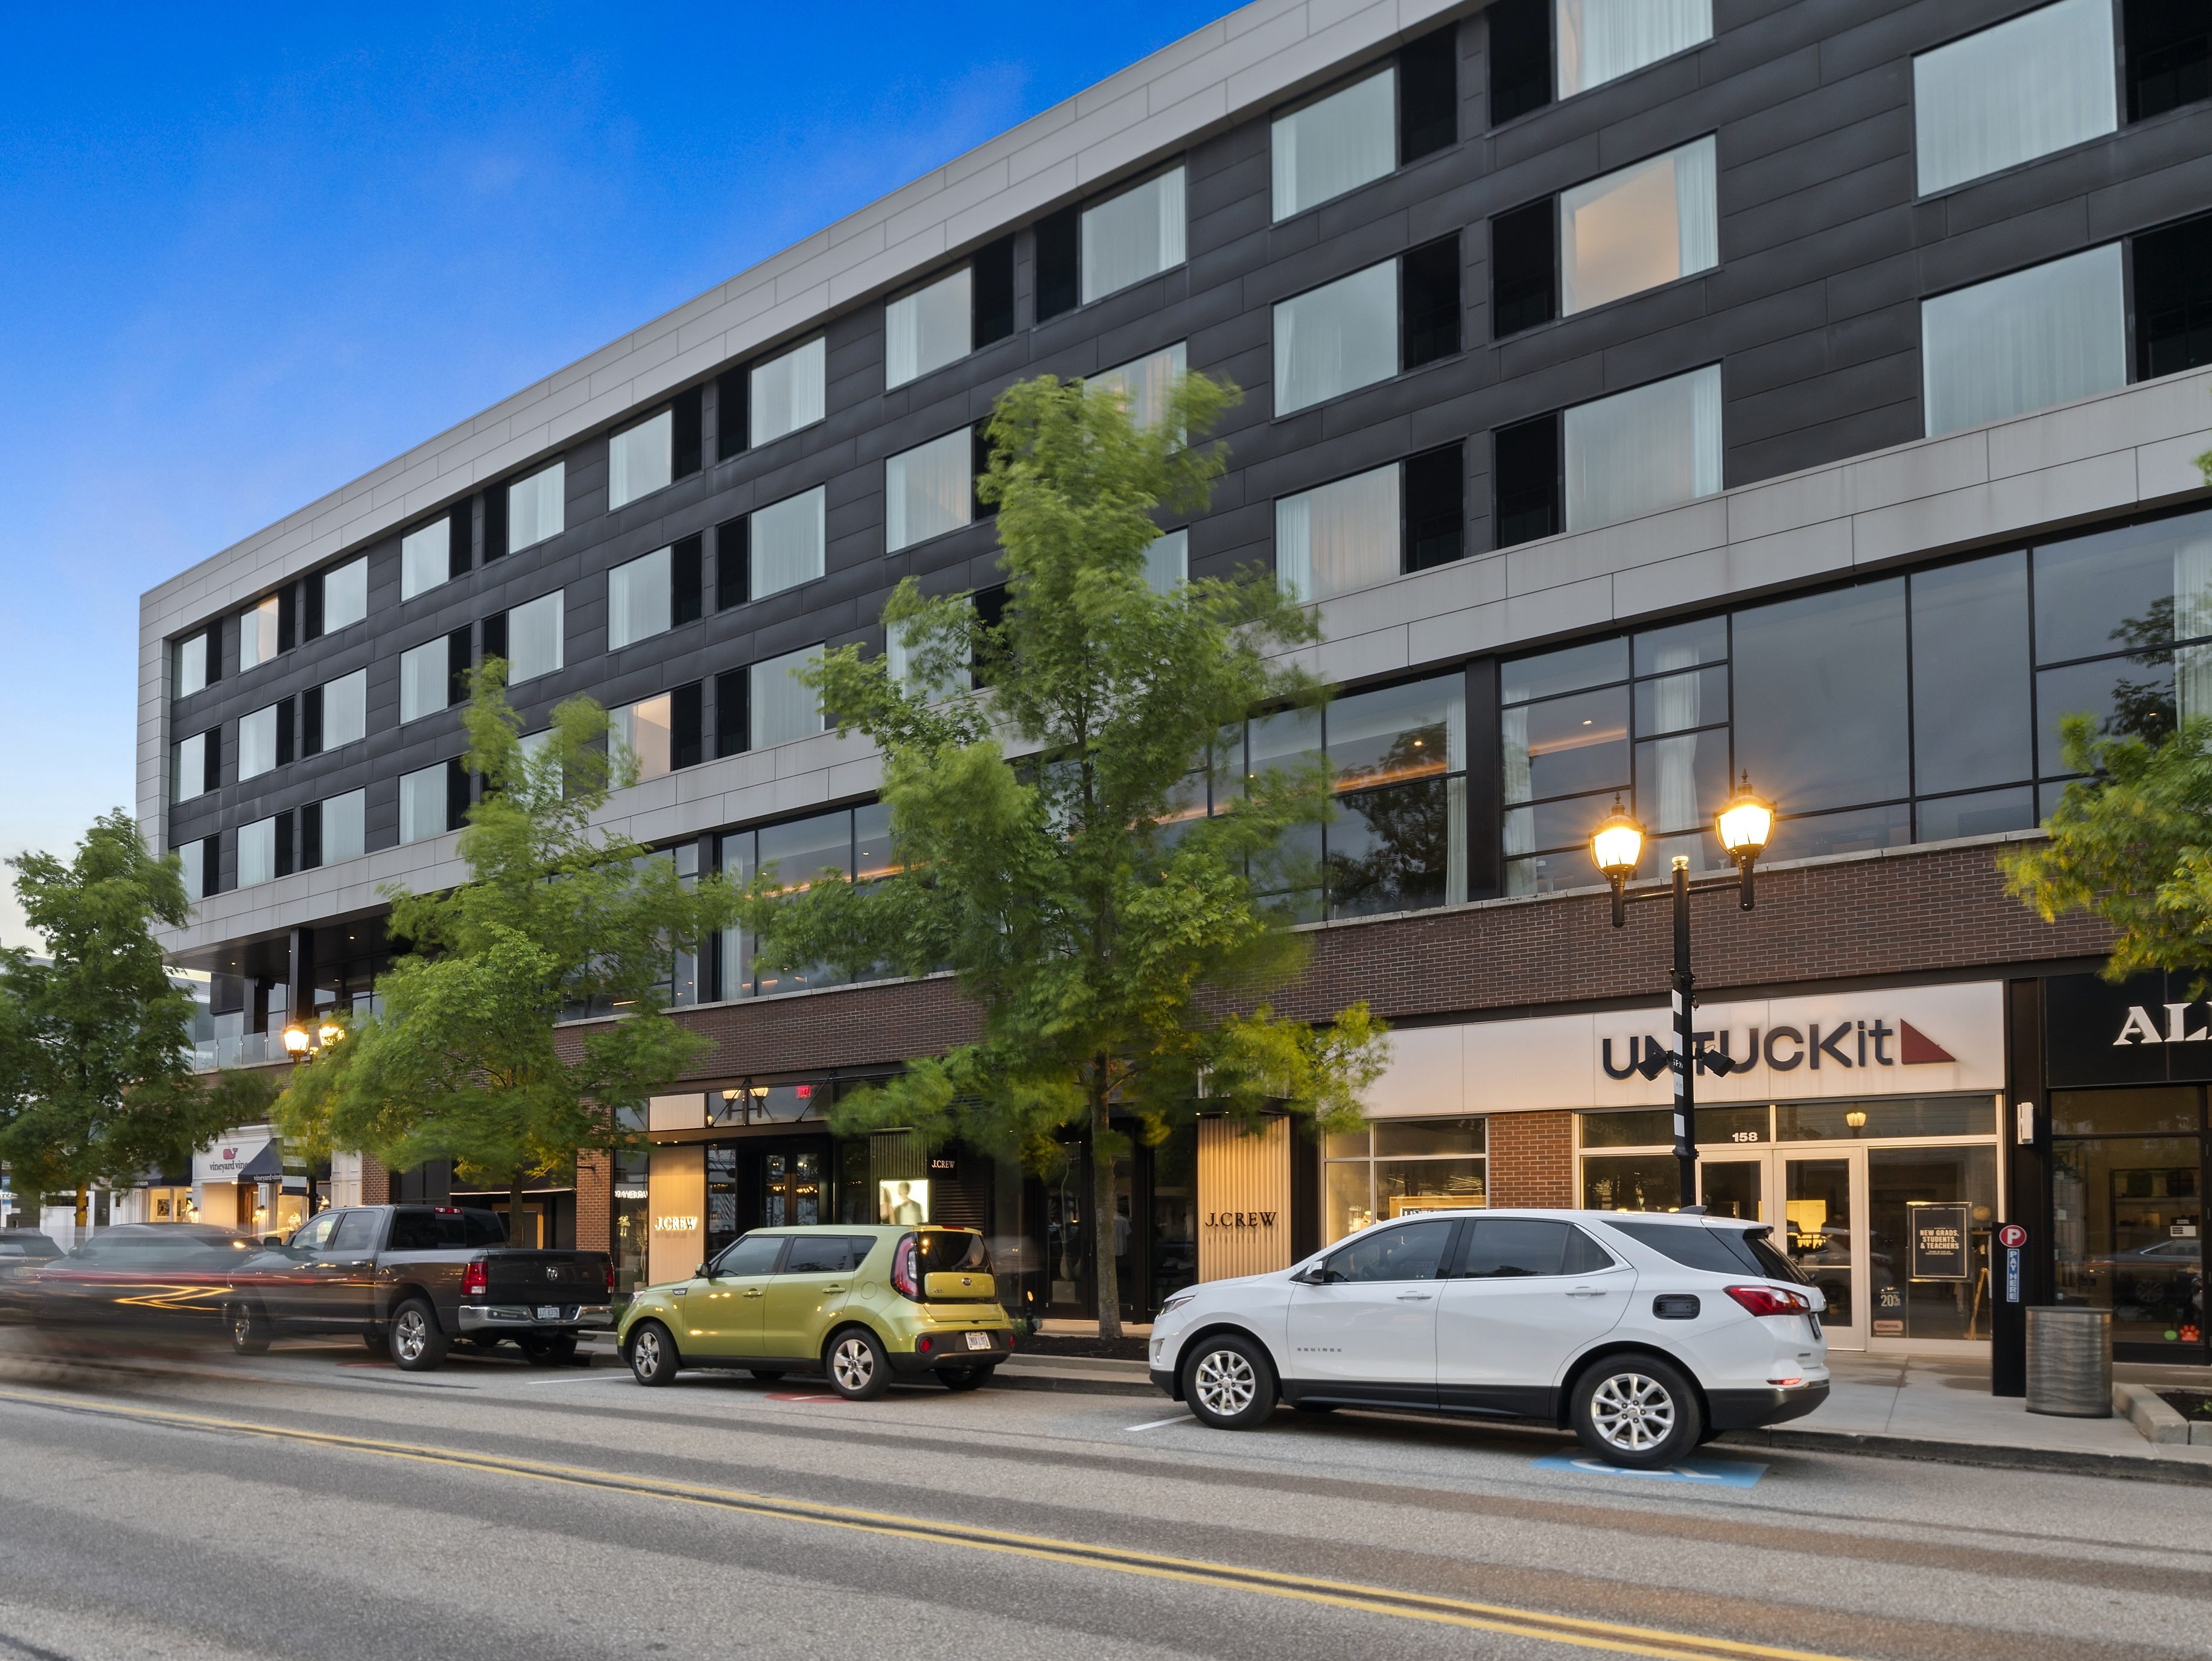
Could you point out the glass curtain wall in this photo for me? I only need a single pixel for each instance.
(2127, 1211)
(853, 841)
(1394, 1167)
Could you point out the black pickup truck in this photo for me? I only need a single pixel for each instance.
(412, 1279)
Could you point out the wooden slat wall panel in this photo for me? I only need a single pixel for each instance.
(1246, 1177)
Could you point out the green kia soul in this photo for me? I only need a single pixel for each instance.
(858, 1306)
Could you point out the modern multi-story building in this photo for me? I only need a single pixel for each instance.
(1643, 390)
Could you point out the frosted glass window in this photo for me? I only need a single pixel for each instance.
(425, 680)
(928, 490)
(1600, 41)
(641, 459)
(188, 768)
(257, 742)
(2023, 88)
(2025, 342)
(1135, 235)
(639, 597)
(426, 559)
(256, 634)
(537, 507)
(901, 660)
(786, 392)
(1336, 144)
(345, 594)
(192, 856)
(345, 709)
(189, 666)
(645, 731)
(257, 852)
(423, 804)
(1336, 337)
(534, 641)
(1167, 562)
(1145, 383)
(780, 707)
(1639, 228)
(788, 541)
(1639, 451)
(928, 329)
(344, 826)
(1339, 537)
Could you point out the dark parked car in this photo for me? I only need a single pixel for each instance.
(153, 1276)
(412, 1279)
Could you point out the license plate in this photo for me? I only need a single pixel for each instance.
(548, 1311)
(979, 1341)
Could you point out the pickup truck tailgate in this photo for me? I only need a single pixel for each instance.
(515, 1276)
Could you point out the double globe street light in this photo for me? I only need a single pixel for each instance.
(1744, 826)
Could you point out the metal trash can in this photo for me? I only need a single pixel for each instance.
(2070, 1361)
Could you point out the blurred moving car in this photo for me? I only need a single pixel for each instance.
(858, 1305)
(136, 1276)
(409, 1280)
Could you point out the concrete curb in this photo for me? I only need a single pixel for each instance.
(2180, 1473)
(1004, 1380)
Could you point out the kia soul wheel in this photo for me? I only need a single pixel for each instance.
(1637, 1411)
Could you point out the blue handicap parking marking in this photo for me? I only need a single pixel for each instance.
(1706, 1473)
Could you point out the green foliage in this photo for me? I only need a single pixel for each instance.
(465, 1060)
(95, 1044)
(1049, 828)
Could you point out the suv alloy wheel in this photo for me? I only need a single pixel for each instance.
(1228, 1383)
(1637, 1411)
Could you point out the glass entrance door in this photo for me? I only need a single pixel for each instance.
(1814, 1204)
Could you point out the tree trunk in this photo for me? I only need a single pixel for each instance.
(1107, 1277)
(514, 1206)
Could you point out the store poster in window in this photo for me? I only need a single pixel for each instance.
(902, 1200)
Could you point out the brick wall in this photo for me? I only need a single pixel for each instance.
(595, 1187)
(1532, 1160)
(375, 1182)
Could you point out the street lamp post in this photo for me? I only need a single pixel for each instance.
(1744, 826)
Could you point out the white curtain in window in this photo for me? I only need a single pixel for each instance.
(257, 742)
(639, 598)
(423, 804)
(1600, 41)
(2025, 342)
(928, 329)
(1335, 144)
(256, 634)
(345, 594)
(257, 852)
(642, 460)
(345, 709)
(1167, 562)
(537, 507)
(645, 731)
(534, 637)
(188, 768)
(2023, 88)
(343, 822)
(787, 542)
(1339, 537)
(1145, 383)
(788, 391)
(2192, 619)
(192, 856)
(426, 559)
(1644, 449)
(1675, 706)
(928, 489)
(1336, 337)
(1639, 228)
(190, 661)
(1135, 236)
(780, 706)
(424, 679)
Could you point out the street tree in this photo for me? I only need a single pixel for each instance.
(464, 1058)
(96, 1083)
(1045, 774)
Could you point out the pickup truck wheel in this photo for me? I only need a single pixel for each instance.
(652, 1358)
(248, 1327)
(418, 1343)
(858, 1368)
(962, 1378)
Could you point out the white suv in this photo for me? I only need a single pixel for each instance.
(1647, 1332)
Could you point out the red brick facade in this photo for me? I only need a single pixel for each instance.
(375, 1182)
(1532, 1160)
(595, 1187)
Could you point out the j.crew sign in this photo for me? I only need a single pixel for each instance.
(1240, 1220)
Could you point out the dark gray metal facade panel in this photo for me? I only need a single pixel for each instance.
(1813, 313)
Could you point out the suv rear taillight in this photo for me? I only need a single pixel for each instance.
(1771, 1301)
(475, 1280)
(906, 1277)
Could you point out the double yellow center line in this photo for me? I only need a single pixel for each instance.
(1617, 1637)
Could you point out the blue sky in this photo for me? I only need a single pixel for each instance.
(251, 254)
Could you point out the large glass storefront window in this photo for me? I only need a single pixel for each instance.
(2127, 1210)
(1930, 1213)
(628, 1234)
(1394, 1167)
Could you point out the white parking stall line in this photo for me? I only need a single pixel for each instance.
(1180, 1418)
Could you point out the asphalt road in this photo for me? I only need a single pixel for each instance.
(310, 1503)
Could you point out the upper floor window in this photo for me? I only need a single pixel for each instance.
(2169, 55)
(1167, 562)
(333, 829)
(785, 543)
(1084, 253)
(851, 842)
(334, 714)
(534, 637)
(1345, 138)
(2025, 341)
(192, 765)
(188, 664)
(344, 594)
(1637, 229)
(432, 801)
(780, 707)
(1371, 527)
(2021, 89)
(1616, 458)
(1602, 41)
(262, 737)
(929, 489)
(788, 392)
(1145, 383)
(537, 507)
(257, 852)
(259, 631)
(641, 459)
(658, 735)
(429, 555)
(191, 862)
(425, 679)
(1367, 326)
(945, 320)
(639, 599)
